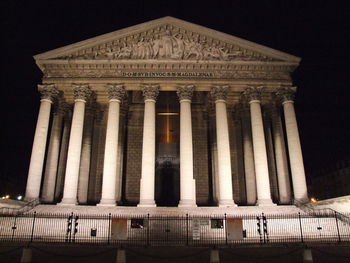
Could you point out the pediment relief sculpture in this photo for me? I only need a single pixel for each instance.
(168, 42)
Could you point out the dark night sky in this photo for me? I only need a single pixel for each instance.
(316, 31)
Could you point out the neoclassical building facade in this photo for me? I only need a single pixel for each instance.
(166, 113)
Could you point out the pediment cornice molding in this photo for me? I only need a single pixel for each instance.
(167, 38)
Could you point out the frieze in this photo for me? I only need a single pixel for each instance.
(168, 42)
(276, 75)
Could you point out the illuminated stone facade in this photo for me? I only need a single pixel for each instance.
(166, 113)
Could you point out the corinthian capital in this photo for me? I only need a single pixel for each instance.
(48, 91)
(115, 91)
(252, 93)
(286, 93)
(219, 92)
(81, 91)
(150, 91)
(185, 92)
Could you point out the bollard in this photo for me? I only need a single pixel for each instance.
(307, 256)
(26, 255)
(121, 257)
(214, 256)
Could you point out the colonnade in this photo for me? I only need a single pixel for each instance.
(254, 148)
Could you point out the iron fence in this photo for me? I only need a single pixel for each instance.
(188, 230)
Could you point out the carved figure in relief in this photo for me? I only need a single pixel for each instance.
(166, 43)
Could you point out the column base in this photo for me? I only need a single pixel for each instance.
(227, 203)
(68, 201)
(265, 202)
(46, 200)
(187, 203)
(147, 203)
(29, 198)
(107, 202)
(301, 201)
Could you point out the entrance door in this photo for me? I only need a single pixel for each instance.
(167, 161)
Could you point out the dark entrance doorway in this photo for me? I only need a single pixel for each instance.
(167, 188)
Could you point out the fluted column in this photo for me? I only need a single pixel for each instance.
(150, 93)
(249, 169)
(284, 188)
(187, 183)
(48, 92)
(81, 93)
(219, 93)
(295, 154)
(259, 147)
(63, 151)
(84, 170)
(116, 93)
(49, 183)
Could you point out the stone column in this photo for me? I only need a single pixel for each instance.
(48, 190)
(84, 170)
(249, 169)
(295, 155)
(48, 92)
(187, 193)
(271, 162)
(150, 93)
(219, 93)
(121, 140)
(116, 93)
(259, 147)
(81, 93)
(214, 153)
(63, 151)
(284, 189)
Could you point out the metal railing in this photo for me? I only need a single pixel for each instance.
(19, 210)
(311, 210)
(188, 230)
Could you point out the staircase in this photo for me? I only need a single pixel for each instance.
(19, 210)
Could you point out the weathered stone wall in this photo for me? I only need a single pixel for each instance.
(270, 153)
(236, 166)
(97, 154)
(200, 153)
(132, 173)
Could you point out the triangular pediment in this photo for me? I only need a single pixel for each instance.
(167, 39)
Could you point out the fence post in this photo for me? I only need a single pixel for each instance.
(32, 235)
(186, 229)
(109, 228)
(301, 228)
(336, 221)
(259, 228)
(225, 225)
(14, 227)
(148, 225)
(264, 227)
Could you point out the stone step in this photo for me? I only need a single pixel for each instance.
(163, 211)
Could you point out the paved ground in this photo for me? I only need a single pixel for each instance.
(88, 254)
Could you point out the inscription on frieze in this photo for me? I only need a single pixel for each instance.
(167, 74)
